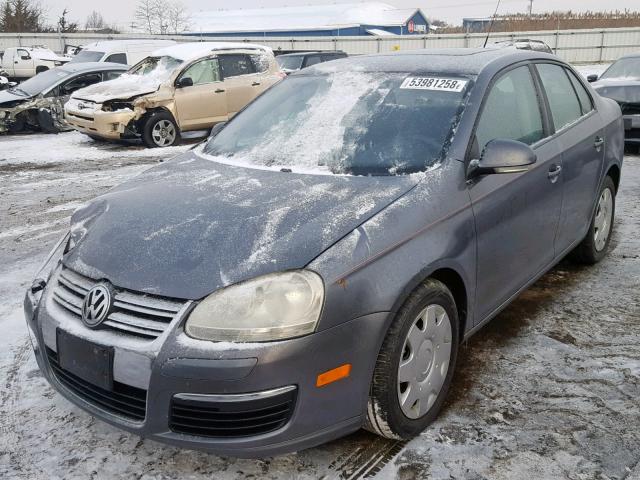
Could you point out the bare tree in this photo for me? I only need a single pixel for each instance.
(95, 21)
(161, 14)
(178, 17)
(145, 15)
(65, 26)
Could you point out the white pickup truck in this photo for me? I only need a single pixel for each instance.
(25, 62)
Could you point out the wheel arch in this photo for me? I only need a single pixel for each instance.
(614, 173)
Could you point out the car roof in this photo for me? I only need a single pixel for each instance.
(123, 43)
(631, 55)
(313, 52)
(193, 50)
(470, 61)
(92, 66)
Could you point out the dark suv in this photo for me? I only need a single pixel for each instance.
(291, 62)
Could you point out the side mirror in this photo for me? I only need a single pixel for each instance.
(502, 156)
(185, 82)
(592, 78)
(25, 57)
(216, 129)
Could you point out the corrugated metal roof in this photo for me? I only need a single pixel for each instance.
(308, 17)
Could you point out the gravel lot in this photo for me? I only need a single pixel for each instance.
(550, 389)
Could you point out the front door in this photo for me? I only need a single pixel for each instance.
(205, 102)
(23, 63)
(581, 138)
(516, 214)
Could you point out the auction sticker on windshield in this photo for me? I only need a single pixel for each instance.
(431, 83)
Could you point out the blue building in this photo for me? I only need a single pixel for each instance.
(345, 19)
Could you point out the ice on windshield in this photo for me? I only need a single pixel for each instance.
(347, 123)
(290, 63)
(625, 68)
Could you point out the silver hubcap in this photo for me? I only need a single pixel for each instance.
(602, 222)
(163, 133)
(424, 362)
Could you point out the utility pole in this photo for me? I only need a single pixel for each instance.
(530, 8)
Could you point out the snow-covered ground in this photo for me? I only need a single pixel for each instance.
(548, 390)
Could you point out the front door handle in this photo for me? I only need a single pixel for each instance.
(219, 90)
(554, 172)
(598, 143)
(255, 84)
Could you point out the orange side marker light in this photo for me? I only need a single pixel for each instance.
(333, 375)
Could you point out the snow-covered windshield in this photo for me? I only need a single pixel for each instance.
(355, 123)
(40, 82)
(624, 68)
(290, 63)
(87, 56)
(159, 68)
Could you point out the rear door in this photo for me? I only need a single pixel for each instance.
(205, 102)
(580, 136)
(241, 80)
(516, 214)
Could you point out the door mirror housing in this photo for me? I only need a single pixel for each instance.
(185, 82)
(216, 129)
(502, 156)
(592, 78)
(25, 57)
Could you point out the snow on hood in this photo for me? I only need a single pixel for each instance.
(123, 87)
(46, 54)
(191, 226)
(622, 90)
(6, 96)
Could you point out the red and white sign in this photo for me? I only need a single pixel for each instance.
(411, 26)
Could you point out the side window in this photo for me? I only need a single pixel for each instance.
(260, 63)
(23, 53)
(117, 58)
(313, 59)
(204, 71)
(563, 102)
(583, 96)
(111, 75)
(80, 82)
(511, 110)
(235, 65)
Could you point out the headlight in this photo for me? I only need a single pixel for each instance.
(272, 307)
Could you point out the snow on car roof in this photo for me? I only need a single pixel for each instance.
(106, 44)
(187, 51)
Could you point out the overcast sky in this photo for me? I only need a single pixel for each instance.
(120, 12)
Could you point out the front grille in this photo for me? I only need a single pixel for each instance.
(630, 108)
(133, 313)
(231, 418)
(82, 117)
(124, 400)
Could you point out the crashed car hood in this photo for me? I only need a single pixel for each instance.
(621, 90)
(191, 226)
(6, 97)
(121, 88)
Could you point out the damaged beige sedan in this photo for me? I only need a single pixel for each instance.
(37, 104)
(185, 87)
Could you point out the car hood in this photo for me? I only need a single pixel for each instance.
(191, 226)
(621, 90)
(6, 97)
(121, 88)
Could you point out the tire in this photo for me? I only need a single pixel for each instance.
(155, 126)
(386, 416)
(593, 247)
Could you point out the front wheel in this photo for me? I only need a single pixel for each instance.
(160, 130)
(415, 365)
(595, 244)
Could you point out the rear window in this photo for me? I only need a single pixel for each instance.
(354, 123)
(290, 63)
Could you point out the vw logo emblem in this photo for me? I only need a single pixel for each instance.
(96, 306)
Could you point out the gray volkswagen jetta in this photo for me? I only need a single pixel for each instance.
(314, 266)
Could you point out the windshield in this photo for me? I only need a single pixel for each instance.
(87, 56)
(40, 82)
(347, 123)
(290, 63)
(624, 68)
(160, 68)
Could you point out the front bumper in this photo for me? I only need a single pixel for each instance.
(107, 125)
(173, 365)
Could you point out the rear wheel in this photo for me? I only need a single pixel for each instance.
(595, 244)
(415, 365)
(160, 130)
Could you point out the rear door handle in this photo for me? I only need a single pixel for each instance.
(255, 84)
(219, 90)
(554, 172)
(598, 143)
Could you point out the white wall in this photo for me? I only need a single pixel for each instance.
(576, 46)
